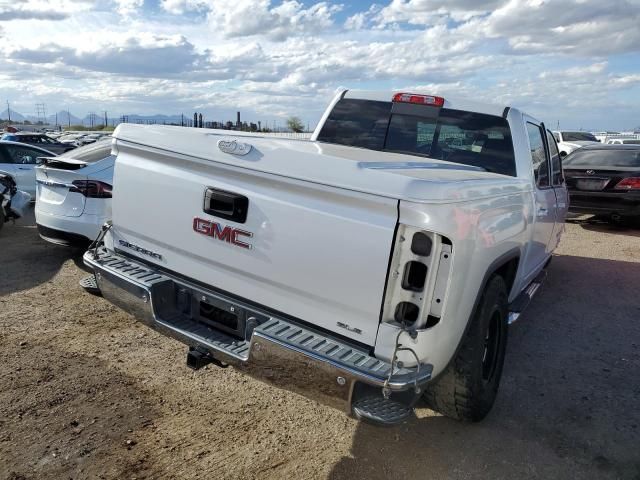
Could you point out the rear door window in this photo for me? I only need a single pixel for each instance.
(556, 163)
(538, 155)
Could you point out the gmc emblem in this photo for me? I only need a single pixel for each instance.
(226, 234)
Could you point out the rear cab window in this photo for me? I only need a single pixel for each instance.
(468, 138)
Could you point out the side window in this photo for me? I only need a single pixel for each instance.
(556, 163)
(22, 155)
(538, 155)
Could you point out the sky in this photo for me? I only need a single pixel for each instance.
(575, 63)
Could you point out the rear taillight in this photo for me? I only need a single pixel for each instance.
(630, 183)
(418, 278)
(418, 99)
(91, 188)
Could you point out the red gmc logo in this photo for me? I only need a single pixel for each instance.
(226, 234)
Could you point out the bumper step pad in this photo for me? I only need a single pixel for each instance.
(381, 411)
(90, 284)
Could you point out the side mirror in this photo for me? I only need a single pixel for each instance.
(26, 159)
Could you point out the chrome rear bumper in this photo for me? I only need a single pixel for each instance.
(278, 351)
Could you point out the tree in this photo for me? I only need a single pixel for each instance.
(295, 124)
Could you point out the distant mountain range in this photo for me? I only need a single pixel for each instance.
(15, 116)
(65, 118)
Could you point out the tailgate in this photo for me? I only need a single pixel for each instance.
(316, 253)
(54, 180)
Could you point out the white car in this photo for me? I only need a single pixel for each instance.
(570, 141)
(623, 141)
(73, 198)
(20, 160)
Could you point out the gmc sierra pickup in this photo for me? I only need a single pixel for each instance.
(376, 264)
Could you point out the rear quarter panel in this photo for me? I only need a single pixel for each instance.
(480, 231)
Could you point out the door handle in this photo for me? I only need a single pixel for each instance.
(542, 212)
(24, 168)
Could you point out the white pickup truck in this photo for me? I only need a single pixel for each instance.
(374, 265)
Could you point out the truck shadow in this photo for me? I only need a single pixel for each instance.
(567, 406)
(26, 260)
(602, 225)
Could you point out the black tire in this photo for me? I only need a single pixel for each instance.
(467, 388)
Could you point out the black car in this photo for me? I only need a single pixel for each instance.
(40, 140)
(604, 180)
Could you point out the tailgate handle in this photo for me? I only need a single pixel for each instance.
(227, 205)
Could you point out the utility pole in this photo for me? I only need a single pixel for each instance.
(9, 111)
(41, 111)
(69, 117)
(105, 119)
(182, 119)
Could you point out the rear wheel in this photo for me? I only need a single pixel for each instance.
(467, 389)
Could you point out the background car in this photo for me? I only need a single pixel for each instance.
(569, 141)
(39, 140)
(20, 160)
(604, 180)
(73, 198)
(12, 201)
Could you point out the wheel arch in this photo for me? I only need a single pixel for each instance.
(506, 265)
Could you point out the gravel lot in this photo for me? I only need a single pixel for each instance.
(86, 392)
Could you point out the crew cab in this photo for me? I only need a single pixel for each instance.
(376, 264)
(569, 141)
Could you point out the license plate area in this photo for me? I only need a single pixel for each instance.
(591, 184)
(216, 312)
(220, 318)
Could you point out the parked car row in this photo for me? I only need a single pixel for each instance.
(39, 140)
(79, 139)
(72, 191)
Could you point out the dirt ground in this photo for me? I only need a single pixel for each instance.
(86, 392)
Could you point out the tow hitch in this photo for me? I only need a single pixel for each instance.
(196, 359)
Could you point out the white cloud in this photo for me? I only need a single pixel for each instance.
(128, 7)
(41, 9)
(579, 27)
(259, 17)
(178, 7)
(145, 55)
(429, 12)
